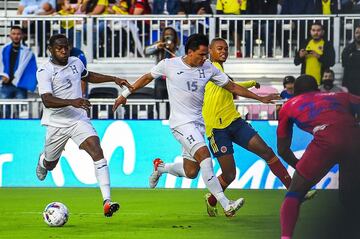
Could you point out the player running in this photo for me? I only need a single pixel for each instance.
(186, 79)
(65, 114)
(224, 126)
(329, 117)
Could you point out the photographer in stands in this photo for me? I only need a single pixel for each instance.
(316, 54)
(168, 47)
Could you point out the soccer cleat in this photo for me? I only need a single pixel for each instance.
(233, 207)
(40, 171)
(110, 208)
(310, 195)
(211, 210)
(155, 175)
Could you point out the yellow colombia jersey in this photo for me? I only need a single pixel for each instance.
(228, 6)
(326, 8)
(219, 110)
(313, 65)
(67, 24)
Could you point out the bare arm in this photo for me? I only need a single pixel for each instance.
(241, 91)
(283, 145)
(94, 77)
(51, 101)
(140, 83)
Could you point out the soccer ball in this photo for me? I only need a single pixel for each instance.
(56, 214)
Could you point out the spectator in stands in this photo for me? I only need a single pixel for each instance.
(172, 7)
(68, 27)
(326, 7)
(351, 7)
(232, 7)
(288, 83)
(97, 7)
(168, 47)
(38, 7)
(141, 7)
(198, 7)
(328, 82)
(316, 54)
(17, 67)
(351, 64)
(121, 7)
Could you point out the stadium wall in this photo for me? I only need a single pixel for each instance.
(130, 147)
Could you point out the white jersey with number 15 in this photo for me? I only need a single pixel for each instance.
(186, 86)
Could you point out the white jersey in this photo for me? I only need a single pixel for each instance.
(62, 82)
(186, 87)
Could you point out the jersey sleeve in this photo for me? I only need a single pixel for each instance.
(246, 84)
(285, 126)
(44, 81)
(219, 77)
(158, 70)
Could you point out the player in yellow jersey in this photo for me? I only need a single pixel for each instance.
(224, 126)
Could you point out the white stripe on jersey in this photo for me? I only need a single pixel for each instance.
(62, 82)
(186, 86)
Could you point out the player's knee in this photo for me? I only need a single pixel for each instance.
(191, 173)
(97, 154)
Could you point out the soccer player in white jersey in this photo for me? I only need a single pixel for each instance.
(186, 79)
(65, 114)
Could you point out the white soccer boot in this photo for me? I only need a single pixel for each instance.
(40, 171)
(233, 207)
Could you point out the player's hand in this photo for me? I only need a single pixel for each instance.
(5, 79)
(314, 54)
(161, 45)
(81, 103)
(302, 53)
(257, 85)
(121, 82)
(270, 98)
(121, 100)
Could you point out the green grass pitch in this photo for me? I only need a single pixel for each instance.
(146, 213)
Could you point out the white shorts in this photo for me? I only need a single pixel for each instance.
(191, 137)
(56, 138)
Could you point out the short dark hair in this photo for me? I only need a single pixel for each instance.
(317, 23)
(55, 37)
(216, 39)
(195, 41)
(15, 28)
(329, 71)
(287, 80)
(305, 83)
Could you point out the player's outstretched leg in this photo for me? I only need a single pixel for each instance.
(155, 175)
(110, 208)
(41, 171)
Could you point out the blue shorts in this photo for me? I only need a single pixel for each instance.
(239, 131)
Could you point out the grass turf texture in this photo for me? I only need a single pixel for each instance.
(146, 213)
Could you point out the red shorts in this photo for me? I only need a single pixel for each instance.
(329, 147)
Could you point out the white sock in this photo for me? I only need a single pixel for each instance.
(176, 169)
(41, 160)
(103, 178)
(212, 182)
